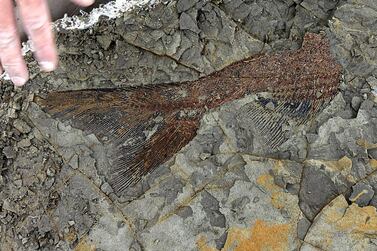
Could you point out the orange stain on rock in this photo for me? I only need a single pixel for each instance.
(340, 219)
(373, 163)
(203, 246)
(342, 166)
(365, 144)
(359, 220)
(85, 246)
(262, 236)
(278, 197)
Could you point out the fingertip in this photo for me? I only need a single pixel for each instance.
(18, 81)
(47, 57)
(48, 66)
(19, 76)
(85, 3)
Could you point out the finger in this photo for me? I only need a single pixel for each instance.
(36, 19)
(10, 45)
(83, 2)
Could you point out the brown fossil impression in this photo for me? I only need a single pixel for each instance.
(147, 125)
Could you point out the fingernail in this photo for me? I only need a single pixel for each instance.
(19, 81)
(88, 2)
(47, 66)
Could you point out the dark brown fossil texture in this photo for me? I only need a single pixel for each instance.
(147, 125)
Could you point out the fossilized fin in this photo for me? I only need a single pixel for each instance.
(147, 125)
(142, 136)
(270, 116)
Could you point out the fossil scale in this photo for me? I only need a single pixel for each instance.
(146, 126)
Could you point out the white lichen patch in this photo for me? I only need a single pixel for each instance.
(110, 10)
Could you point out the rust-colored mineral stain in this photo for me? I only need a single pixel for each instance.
(278, 197)
(337, 219)
(342, 166)
(203, 246)
(148, 125)
(365, 144)
(357, 220)
(259, 237)
(373, 163)
(84, 245)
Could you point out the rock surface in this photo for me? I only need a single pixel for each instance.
(317, 192)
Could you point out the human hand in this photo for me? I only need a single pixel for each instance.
(36, 21)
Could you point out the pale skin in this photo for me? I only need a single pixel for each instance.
(36, 21)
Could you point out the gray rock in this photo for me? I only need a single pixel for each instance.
(372, 81)
(288, 176)
(352, 38)
(111, 231)
(12, 113)
(211, 208)
(220, 242)
(338, 137)
(135, 246)
(170, 188)
(184, 5)
(334, 227)
(372, 181)
(185, 212)
(272, 24)
(239, 204)
(356, 102)
(9, 152)
(106, 188)
(362, 194)
(24, 143)
(18, 183)
(319, 9)
(21, 126)
(186, 22)
(104, 41)
(196, 38)
(303, 227)
(317, 190)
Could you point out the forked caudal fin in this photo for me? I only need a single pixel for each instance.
(147, 125)
(142, 138)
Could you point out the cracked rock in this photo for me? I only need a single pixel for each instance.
(184, 5)
(317, 190)
(211, 208)
(21, 126)
(303, 227)
(340, 226)
(186, 22)
(362, 194)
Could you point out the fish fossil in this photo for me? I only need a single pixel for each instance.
(147, 125)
